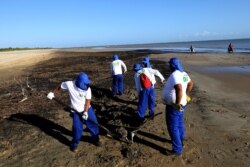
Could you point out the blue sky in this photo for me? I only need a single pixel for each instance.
(75, 23)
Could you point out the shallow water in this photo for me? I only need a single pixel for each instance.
(211, 46)
(227, 69)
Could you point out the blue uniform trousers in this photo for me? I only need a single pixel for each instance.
(146, 99)
(77, 127)
(117, 87)
(176, 128)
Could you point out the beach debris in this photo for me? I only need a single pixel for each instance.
(25, 90)
(243, 116)
(122, 133)
(130, 153)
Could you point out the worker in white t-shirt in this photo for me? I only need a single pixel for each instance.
(146, 64)
(82, 112)
(145, 90)
(117, 73)
(175, 96)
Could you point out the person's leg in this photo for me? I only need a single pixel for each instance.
(77, 130)
(151, 102)
(92, 125)
(172, 120)
(120, 84)
(166, 118)
(143, 103)
(182, 127)
(114, 85)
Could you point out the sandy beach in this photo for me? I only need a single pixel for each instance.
(36, 132)
(14, 62)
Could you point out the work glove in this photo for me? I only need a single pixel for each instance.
(188, 98)
(51, 95)
(178, 107)
(85, 115)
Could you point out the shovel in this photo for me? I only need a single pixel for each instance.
(134, 132)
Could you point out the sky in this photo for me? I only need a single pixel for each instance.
(79, 23)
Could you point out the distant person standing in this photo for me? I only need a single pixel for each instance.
(117, 73)
(230, 48)
(175, 96)
(192, 49)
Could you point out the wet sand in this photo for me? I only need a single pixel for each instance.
(223, 75)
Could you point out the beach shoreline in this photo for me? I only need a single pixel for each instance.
(217, 119)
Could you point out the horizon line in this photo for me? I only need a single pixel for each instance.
(134, 44)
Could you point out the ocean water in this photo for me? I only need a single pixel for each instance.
(220, 46)
(243, 69)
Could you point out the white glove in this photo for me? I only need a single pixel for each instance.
(85, 115)
(51, 95)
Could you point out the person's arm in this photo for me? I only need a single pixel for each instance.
(137, 84)
(189, 87)
(124, 66)
(51, 94)
(111, 70)
(87, 99)
(157, 73)
(178, 91)
(85, 114)
(57, 89)
(87, 104)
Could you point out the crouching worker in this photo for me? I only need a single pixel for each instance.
(175, 96)
(82, 112)
(145, 90)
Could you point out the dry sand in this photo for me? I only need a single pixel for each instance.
(217, 119)
(14, 62)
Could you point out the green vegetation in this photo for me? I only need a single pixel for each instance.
(16, 49)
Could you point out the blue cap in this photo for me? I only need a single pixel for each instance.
(82, 81)
(115, 56)
(175, 64)
(137, 67)
(146, 59)
(146, 62)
